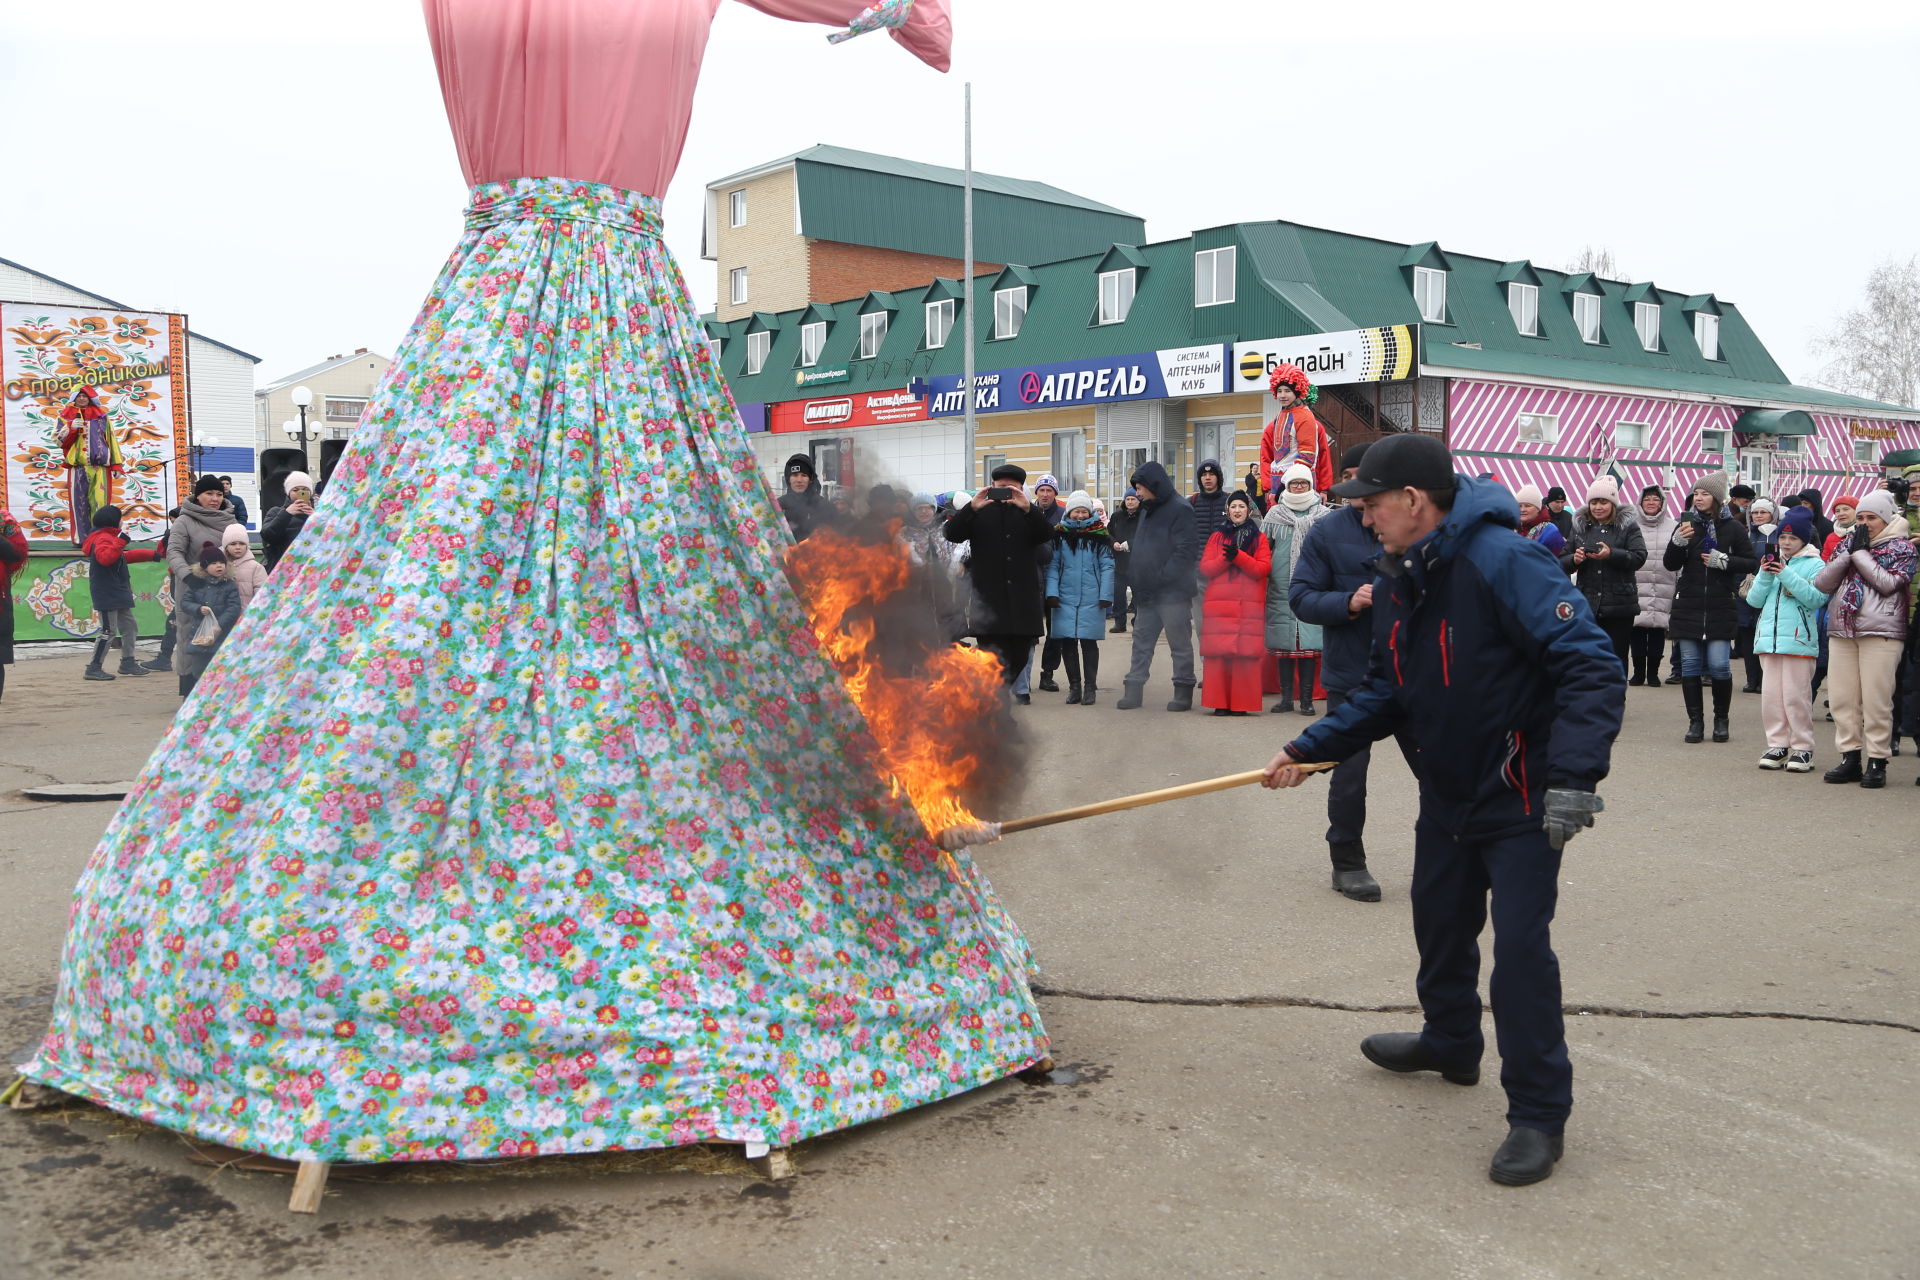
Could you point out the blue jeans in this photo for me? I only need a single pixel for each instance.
(1714, 655)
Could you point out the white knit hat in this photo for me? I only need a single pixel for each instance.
(1604, 489)
(1078, 498)
(296, 480)
(1298, 471)
(1880, 503)
(1527, 495)
(236, 532)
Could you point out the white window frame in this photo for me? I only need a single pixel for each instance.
(1644, 428)
(1706, 334)
(1586, 317)
(873, 332)
(1547, 424)
(1649, 332)
(1716, 441)
(1863, 451)
(1523, 304)
(813, 340)
(1788, 444)
(1009, 311)
(759, 343)
(1430, 294)
(1074, 476)
(737, 208)
(1115, 311)
(737, 286)
(1211, 265)
(939, 322)
(357, 410)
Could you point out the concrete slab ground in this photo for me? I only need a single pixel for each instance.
(1739, 950)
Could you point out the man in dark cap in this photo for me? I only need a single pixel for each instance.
(1739, 499)
(1333, 586)
(1556, 504)
(1485, 650)
(1004, 529)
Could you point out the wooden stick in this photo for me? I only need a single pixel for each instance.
(309, 1186)
(1224, 783)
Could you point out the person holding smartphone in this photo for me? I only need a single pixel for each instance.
(1711, 552)
(284, 523)
(1004, 531)
(1787, 638)
(1605, 552)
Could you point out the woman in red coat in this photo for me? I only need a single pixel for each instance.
(1233, 617)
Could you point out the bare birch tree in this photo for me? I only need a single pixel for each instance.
(1599, 260)
(1874, 349)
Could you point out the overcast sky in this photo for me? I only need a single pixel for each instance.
(284, 174)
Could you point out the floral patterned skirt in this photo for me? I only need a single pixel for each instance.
(520, 812)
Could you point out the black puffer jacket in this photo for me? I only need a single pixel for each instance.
(1705, 606)
(1609, 584)
(1209, 509)
(808, 510)
(1166, 549)
(1121, 528)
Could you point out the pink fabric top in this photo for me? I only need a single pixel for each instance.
(601, 90)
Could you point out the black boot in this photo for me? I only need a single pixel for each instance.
(1696, 718)
(1048, 684)
(1653, 678)
(1639, 676)
(1306, 707)
(164, 661)
(96, 669)
(1182, 698)
(1120, 626)
(1350, 874)
(1876, 776)
(1285, 704)
(1404, 1052)
(1528, 1155)
(1073, 694)
(1130, 698)
(1848, 770)
(1722, 703)
(1086, 699)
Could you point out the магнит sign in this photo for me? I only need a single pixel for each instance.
(861, 409)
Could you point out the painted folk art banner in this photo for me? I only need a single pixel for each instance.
(69, 452)
(51, 600)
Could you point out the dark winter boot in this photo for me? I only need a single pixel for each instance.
(1130, 698)
(1120, 625)
(1350, 875)
(96, 669)
(1182, 698)
(1306, 707)
(1848, 770)
(1086, 699)
(164, 662)
(1722, 703)
(1284, 705)
(1696, 718)
(1876, 776)
(1048, 684)
(1073, 694)
(129, 665)
(1639, 676)
(1653, 677)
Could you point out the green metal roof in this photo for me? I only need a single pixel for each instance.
(894, 166)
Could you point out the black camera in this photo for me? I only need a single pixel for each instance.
(999, 493)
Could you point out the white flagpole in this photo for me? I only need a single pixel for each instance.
(966, 302)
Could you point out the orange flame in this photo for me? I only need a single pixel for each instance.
(910, 714)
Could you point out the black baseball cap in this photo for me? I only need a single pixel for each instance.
(1407, 460)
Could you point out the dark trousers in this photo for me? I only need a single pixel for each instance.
(1743, 645)
(1050, 655)
(1078, 654)
(1014, 653)
(1646, 646)
(1620, 635)
(1121, 608)
(167, 638)
(1452, 880)
(1347, 797)
(1300, 672)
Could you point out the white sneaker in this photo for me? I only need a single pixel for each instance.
(1775, 758)
(1800, 762)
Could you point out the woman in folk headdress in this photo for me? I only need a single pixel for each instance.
(1294, 435)
(93, 458)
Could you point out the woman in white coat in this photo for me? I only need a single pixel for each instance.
(1648, 640)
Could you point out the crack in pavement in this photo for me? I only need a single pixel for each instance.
(1572, 1010)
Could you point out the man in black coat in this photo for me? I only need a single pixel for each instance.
(1004, 533)
(804, 506)
(1164, 576)
(1332, 586)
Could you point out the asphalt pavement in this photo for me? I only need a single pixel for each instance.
(1741, 956)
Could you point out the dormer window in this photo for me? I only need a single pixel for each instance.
(1116, 295)
(1646, 322)
(1586, 316)
(873, 332)
(758, 344)
(939, 323)
(1213, 273)
(813, 340)
(1523, 303)
(1009, 311)
(1706, 334)
(1430, 294)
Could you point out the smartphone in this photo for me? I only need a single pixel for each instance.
(999, 493)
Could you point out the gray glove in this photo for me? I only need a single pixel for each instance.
(1716, 559)
(1568, 812)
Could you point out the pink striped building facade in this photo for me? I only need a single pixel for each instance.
(1547, 436)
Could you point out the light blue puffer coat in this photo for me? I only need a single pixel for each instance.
(1789, 606)
(1080, 576)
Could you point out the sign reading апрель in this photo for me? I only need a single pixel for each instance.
(1175, 373)
(1384, 354)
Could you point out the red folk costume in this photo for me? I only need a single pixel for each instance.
(92, 454)
(1233, 617)
(1295, 435)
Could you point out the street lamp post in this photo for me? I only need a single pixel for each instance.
(302, 398)
(195, 452)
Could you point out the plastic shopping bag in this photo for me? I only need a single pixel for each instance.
(208, 631)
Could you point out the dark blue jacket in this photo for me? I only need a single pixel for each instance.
(1336, 560)
(1484, 649)
(1166, 552)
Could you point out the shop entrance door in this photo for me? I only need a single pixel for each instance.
(1756, 469)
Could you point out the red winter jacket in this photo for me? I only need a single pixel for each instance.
(1233, 617)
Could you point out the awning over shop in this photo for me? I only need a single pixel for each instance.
(1775, 422)
(1902, 458)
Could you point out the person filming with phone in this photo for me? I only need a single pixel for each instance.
(1005, 532)
(1604, 554)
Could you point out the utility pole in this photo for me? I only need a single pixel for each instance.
(966, 302)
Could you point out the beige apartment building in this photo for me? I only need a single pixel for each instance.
(342, 387)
